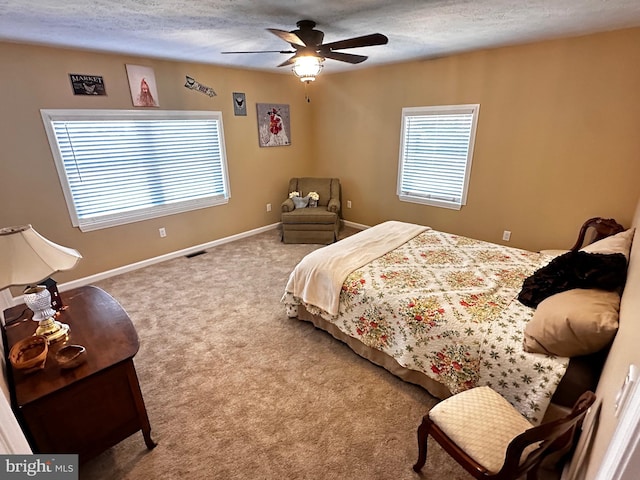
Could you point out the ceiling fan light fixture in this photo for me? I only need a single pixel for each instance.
(307, 67)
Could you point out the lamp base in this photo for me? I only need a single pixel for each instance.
(53, 330)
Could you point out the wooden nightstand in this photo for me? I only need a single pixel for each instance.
(94, 406)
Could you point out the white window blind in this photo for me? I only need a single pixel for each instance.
(436, 149)
(118, 167)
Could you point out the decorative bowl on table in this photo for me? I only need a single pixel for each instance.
(29, 354)
(70, 356)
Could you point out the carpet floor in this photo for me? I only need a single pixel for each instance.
(236, 390)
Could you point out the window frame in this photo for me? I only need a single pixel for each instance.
(443, 110)
(122, 218)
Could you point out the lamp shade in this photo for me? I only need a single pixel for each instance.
(26, 257)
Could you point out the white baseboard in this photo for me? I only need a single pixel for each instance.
(8, 301)
(150, 261)
(359, 226)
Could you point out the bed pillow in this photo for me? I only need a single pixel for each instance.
(618, 243)
(300, 202)
(575, 270)
(572, 323)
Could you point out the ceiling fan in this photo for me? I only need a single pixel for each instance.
(306, 42)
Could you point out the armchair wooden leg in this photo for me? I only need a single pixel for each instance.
(422, 445)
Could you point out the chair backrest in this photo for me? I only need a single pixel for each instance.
(547, 437)
(601, 228)
(327, 188)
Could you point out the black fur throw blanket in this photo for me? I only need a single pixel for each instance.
(575, 270)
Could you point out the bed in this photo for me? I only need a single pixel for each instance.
(436, 309)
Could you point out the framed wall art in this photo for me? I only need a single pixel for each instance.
(142, 83)
(274, 125)
(87, 84)
(239, 104)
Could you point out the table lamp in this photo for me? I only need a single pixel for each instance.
(27, 258)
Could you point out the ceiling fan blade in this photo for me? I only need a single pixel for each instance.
(364, 41)
(288, 37)
(289, 61)
(345, 57)
(265, 51)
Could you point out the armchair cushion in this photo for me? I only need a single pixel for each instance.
(322, 186)
(312, 216)
(327, 188)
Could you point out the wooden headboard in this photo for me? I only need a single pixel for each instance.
(601, 424)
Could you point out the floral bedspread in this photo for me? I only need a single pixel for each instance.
(446, 305)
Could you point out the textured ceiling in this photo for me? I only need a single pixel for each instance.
(198, 31)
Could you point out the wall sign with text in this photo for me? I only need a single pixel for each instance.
(87, 84)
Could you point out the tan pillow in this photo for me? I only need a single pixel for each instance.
(618, 243)
(575, 322)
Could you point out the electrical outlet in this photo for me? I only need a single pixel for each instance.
(163, 232)
(268, 207)
(348, 203)
(506, 235)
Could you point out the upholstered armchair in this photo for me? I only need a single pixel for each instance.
(309, 224)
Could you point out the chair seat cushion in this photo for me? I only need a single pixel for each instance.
(482, 423)
(316, 215)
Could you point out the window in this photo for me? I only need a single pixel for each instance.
(436, 149)
(123, 166)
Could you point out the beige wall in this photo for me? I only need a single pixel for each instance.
(33, 78)
(557, 138)
(556, 142)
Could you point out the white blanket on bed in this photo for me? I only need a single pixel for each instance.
(318, 278)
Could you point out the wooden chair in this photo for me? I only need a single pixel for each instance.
(491, 440)
(602, 228)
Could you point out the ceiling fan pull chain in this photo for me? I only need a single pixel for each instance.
(306, 92)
